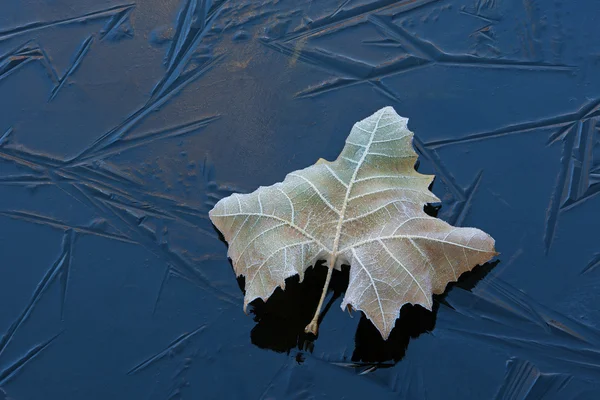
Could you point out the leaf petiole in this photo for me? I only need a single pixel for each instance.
(313, 326)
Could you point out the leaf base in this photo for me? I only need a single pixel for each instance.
(312, 327)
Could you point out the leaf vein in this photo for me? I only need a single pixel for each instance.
(374, 288)
(294, 226)
(336, 176)
(406, 269)
(318, 193)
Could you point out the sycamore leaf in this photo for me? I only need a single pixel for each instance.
(364, 209)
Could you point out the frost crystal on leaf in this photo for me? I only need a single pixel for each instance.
(364, 209)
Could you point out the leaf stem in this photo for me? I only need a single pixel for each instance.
(313, 326)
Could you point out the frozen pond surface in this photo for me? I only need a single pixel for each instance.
(122, 123)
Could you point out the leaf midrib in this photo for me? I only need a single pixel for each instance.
(336, 240)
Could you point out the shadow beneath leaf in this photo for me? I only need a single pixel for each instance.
(282, 319)
(280, 322)
(414, 321)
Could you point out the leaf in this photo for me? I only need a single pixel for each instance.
(364, 209)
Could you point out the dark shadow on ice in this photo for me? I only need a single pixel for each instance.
(414, 321)
(280, 321)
